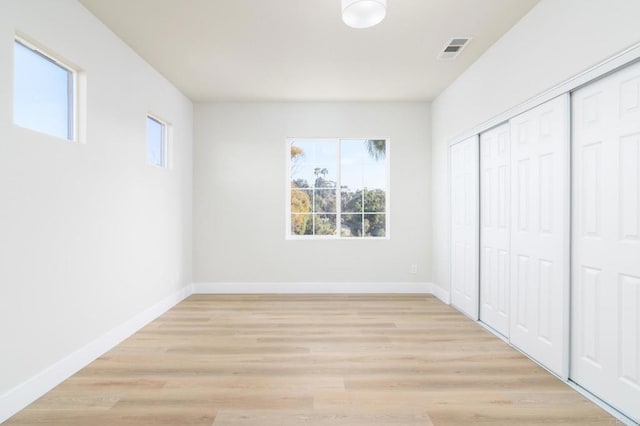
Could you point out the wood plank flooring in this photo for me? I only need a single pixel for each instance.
(312, 360)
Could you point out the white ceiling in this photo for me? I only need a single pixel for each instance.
(300, 50)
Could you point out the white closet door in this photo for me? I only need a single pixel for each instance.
(495, 160)
(464, 226)
(539, 317)
(606, 240)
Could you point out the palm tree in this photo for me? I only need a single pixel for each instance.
(376, 148)
(297, 154)
(320, 173)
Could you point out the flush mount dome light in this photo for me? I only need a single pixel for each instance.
(363, 13)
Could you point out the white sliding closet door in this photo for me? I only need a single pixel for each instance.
(495, 198)
(539, 317)
(464, 226)
(606, 240)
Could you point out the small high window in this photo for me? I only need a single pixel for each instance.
(43, 92)
(156, 142)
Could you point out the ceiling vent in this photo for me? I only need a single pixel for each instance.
(453, 48)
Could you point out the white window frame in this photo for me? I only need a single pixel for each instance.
(166, 127)
(73, 107)
(387, 213)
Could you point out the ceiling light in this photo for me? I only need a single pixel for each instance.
(363, 13)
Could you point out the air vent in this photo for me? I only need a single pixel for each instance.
(453, 48)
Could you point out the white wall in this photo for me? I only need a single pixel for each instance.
(89, 234)
(240, 189)
(557, 40)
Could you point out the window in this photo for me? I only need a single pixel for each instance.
(156, 142)
(43, 92)
(338, 188)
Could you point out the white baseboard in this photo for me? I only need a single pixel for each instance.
(312, 287)
(440, 293)
(24, 394)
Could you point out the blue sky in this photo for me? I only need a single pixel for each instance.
(358, 168)
(155, 142)
(41, 95)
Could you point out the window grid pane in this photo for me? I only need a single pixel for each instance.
(317, 208)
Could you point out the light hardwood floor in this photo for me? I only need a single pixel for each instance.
(312, 360)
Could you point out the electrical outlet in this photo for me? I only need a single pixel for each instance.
(414, 268)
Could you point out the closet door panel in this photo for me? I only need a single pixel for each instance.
(606, 240)
(464, 226)
(539, 239)
(495, 202)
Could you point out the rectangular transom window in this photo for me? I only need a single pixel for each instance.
(156, 142)
(338, 188)
(43, 92)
